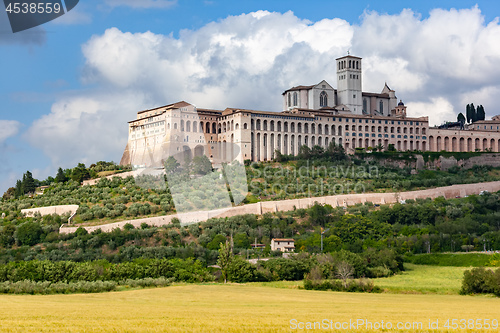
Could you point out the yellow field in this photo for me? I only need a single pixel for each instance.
(230, 308)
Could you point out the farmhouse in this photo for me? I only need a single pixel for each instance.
(283, 244)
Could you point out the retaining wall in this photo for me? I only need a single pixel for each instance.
(286, 205)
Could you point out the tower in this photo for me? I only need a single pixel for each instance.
(349, 83)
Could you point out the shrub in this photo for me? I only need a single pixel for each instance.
(29, 233)
(476, 281)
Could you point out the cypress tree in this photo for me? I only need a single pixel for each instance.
(473, 112)
(467, 113)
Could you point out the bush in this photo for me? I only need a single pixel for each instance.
(480, 280)
(361, 285)
(29, 233)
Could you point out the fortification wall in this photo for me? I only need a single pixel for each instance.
(287, 205)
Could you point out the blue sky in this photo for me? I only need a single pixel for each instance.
(69, 86)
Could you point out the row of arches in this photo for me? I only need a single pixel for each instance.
(293, 127)
(263, 145)
(461, 144)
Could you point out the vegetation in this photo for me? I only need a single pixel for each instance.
(454, 259)
(245, 308)
(480, 280)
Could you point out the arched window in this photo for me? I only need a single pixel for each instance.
(188, 126)
(245, 126)
(323, 99)
(214, 128)
(295, 99)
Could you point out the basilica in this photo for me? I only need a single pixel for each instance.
(312, 115)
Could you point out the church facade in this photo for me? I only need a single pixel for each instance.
(312, 115)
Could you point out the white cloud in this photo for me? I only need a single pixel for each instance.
(438, 109)
(8, 128)
(434, 64)
(141, 3)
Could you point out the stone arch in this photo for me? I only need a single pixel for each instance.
(195, 126)
(257, 146)
(264, 146)
(279, 126)
(446, 143)
(271, 143)
(454, 144)
(469, 144)
(320, 141)
(264, 125)
(320, 131)
(485, 144)
(257, 125)
(214, 128)
(313, 141)
(224, 128)
(292, 144)
(252, 124)
(306, 128)
(333, 130)
(438, 144)
(360, 143)
(232, 125)
(245, 126)
(199, 150)
(461, 145)
(285, 126)
(292, 127)
(477, 144)
(271, 124)
(182, 126)
(340, 130)
(237, 126)
(326, 142)
(285, 144)
(313, 129)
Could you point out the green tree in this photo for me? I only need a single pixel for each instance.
(461, 118)
(473, 112)
(29, 233)
(480, 113)
(391, 147)
(216, 241)
(80, 173)
(468, 113)
(28, 183)
(241, 241)
(201, 165)
(171, 165)
(61, 177)
(225, 259)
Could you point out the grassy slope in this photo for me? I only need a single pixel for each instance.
(226, 308)
(424, 279)
(417, 279)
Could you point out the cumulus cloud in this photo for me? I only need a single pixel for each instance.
(435, 65)
(141, 3)
(8, 128)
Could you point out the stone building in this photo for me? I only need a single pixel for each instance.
(312, 115)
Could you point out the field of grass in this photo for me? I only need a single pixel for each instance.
(417, 279)
(230, 308)
(424, 279)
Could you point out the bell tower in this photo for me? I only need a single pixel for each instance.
(349, 90)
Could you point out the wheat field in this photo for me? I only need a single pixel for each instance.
(230, 308)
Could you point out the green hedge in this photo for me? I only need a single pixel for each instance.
(66, 271)
(450, 259)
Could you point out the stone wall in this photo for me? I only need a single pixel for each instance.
(59, 210)
(287, 205)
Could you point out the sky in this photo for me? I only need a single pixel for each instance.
(68, 87)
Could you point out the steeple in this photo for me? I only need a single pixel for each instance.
(349, 80)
